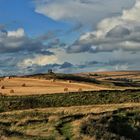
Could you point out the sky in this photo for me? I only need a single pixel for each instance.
(69, 36)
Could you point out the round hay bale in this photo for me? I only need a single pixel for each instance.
(2, 87)
(6, 78)
(11, 91)
(54, 80)
(23, 85)
(80, 90)
(2, 94)
(66, 89)
(69, 81)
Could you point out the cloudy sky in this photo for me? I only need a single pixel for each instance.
(69, 36)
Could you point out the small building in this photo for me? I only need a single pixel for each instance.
(50, 71)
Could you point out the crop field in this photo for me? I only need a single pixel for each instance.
(64, 83)
(86, 106)
(133, 76)
(29, 86)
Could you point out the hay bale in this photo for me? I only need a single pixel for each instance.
(66, 89)
(2, 94)
(69, 81)
(6, 78)
(11, 91)
(1, 79)
(2, 87)
(23, 85)
(80, 90)
(53, 80)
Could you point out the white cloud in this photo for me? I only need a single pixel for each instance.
(83, 11)
(121, 67)
(121, 32)
(129, 18)
(17, 41)
(133, 14)
(18, 33)
(40, 60)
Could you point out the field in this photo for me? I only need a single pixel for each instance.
(81, 122)
(63, 83)
(95, 106)
(41, 86)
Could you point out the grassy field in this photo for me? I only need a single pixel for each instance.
(107, 107)
(114, 121)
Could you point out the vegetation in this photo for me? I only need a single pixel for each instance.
(8, 103)
(90, 115)
(76, 78)
(120, 79)
(121, 125)
(65, 77)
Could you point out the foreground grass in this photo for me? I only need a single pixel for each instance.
(90, 115)
(83, 122)
(119, 125)
(8, 103)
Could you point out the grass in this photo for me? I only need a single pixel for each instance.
(66, 131)
(121, 125)
(44, 125)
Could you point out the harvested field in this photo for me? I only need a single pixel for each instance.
(29, 86)
(47, 84)
(133, 75)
